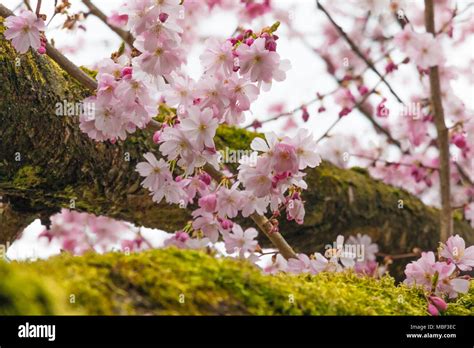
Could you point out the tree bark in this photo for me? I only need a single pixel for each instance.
(47, 163)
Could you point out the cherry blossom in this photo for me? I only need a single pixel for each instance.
(218, 57)
(455, 251)
(200, 127)
(24, 31)
(156, 172)
(240, 240)
(261, 64)
(304, 264)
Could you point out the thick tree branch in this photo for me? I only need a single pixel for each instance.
(443, 136)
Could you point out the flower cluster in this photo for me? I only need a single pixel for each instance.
(442, 278)
(357, 254)
(121, 105)
(78, 233)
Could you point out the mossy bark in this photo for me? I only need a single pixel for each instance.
(47, 163)
(177, 282)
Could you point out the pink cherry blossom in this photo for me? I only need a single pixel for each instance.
(425, 50)
(364, 241)
(209, 225)
(469, 213)
(218, 57)
(285, 159)
(295, 211)
(455, 251)
(200, 127)
(241, 241)
(156, 172)
(24, 31)
(260, 64)
(118, 20)
(304, 264)
(279, 264)
(162, 59)
(229, 201)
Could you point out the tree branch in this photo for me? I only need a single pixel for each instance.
(124, 35)
(358, 51)
(443, 136)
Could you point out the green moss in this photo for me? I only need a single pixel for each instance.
(234, 138)
(91, 73)
(176, 282)
(28, 177)
(24, 292)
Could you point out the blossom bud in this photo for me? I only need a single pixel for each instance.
(305, 113)
(208, 202)
(205, 178)
(156, 137)
(382, 111)
(126, 72)
(438, 303)
(249, 41)
(432, 310)
(226, 224)
(459, 140)
(163, 17)
(363, 90)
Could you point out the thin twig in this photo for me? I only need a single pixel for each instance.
(38, 8)
(125, 35)
(261, 221)
(356, 50)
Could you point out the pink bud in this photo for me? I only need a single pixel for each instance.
(305, 113)
(156, 137)
(163, 17)
(432, 310)
(321, 109)
(226, 224)
(256, 124)
(42, 50)
(126, 72)
(181, 236)
(382, 111)
(249, 41)
(390, 67)
(363, 90)
(438, 303)
(205, 178)
(208, 202)
(345, 111)
(271, 45)
(459, 140)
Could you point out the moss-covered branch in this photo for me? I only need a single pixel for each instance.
(47, 163)
(174, 282)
